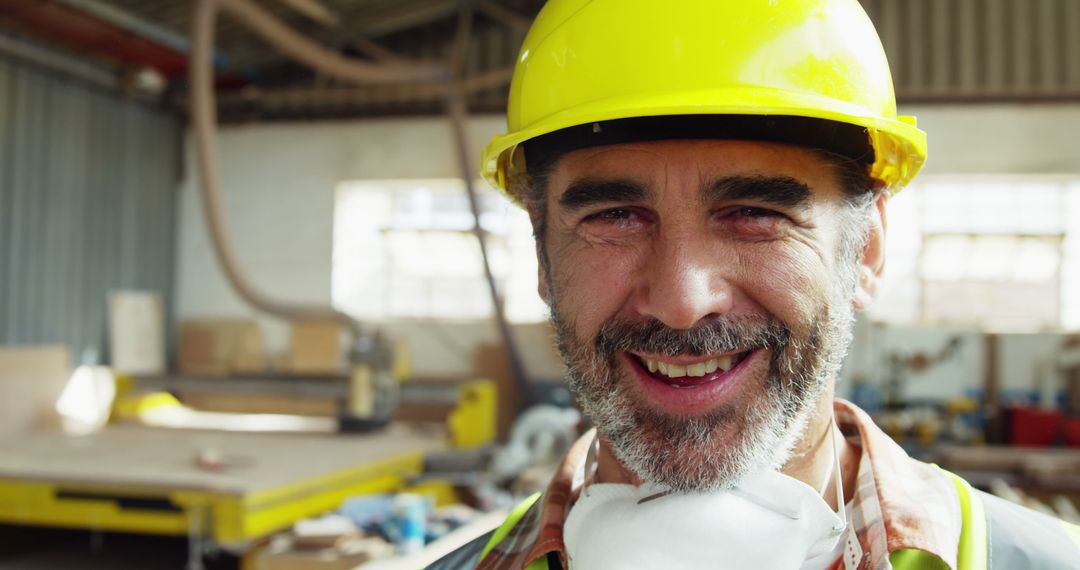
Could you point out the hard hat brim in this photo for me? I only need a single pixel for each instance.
(899, 146)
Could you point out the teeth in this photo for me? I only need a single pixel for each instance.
(723, 363)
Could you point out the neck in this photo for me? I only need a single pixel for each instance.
(813, 458)
(610, 470)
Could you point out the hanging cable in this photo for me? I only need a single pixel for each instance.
(457, 112)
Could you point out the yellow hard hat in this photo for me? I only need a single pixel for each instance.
(782, 70)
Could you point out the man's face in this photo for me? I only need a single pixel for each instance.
(702, 295)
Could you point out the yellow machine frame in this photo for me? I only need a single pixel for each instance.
(230, 520)
(234, 520)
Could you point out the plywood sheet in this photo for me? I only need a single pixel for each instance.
(31, 379)
(262, 404)
(145, 457)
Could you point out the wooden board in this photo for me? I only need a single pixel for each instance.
(31, 380)
(262, 404)
(145, 457)
(1008, 458)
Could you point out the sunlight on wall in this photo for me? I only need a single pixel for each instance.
(404, 249)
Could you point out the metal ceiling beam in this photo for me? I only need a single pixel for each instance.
(90, 29)
(361, 27)
(291, 43)
(402, 16)
(375, 50)
(314, 97)
(66, 65)
(314, 10)
(127, 21)
(502, 14)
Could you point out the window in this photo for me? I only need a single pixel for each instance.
(1001, 253)
(405, 249)
(998, 252)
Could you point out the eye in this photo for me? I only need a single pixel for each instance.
(611, 215)
(615, 223)
(752, 222)
(753, 212)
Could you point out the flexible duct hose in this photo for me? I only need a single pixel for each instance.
(294, 45)
(204, 118)
(315, 56)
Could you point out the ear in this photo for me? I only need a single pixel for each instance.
(541, 284)
(873, 258)
(541, 279)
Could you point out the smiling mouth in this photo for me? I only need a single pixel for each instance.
(689, 375)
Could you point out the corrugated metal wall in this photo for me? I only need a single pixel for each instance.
(1008, 50)
(87, 186)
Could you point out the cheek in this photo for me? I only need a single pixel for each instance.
(592, 283)
(790, 286)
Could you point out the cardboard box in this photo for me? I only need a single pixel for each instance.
(218, 347)
(316, 348)
(249, 357)
(491, 361)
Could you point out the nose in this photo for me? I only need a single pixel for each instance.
(684, 281)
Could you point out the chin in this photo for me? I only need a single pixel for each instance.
(705, 452)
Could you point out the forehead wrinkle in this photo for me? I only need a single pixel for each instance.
(779, 190)
(599, 156)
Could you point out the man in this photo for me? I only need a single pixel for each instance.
(707, 182)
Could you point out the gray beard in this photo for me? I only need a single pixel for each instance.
(715, 450)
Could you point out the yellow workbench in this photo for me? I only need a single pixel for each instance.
(132, 478)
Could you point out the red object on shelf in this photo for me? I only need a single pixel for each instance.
(1035, 427)
(1071, 428)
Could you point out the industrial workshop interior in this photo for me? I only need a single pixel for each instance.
(263, 305)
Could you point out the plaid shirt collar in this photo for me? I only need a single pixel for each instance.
(899, 503)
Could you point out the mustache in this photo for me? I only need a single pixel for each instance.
(709, 336)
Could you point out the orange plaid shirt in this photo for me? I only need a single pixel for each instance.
(899, 503)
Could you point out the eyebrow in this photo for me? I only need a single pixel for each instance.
(585, 193)
(779, 190)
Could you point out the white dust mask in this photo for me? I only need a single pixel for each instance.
(768, 521)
